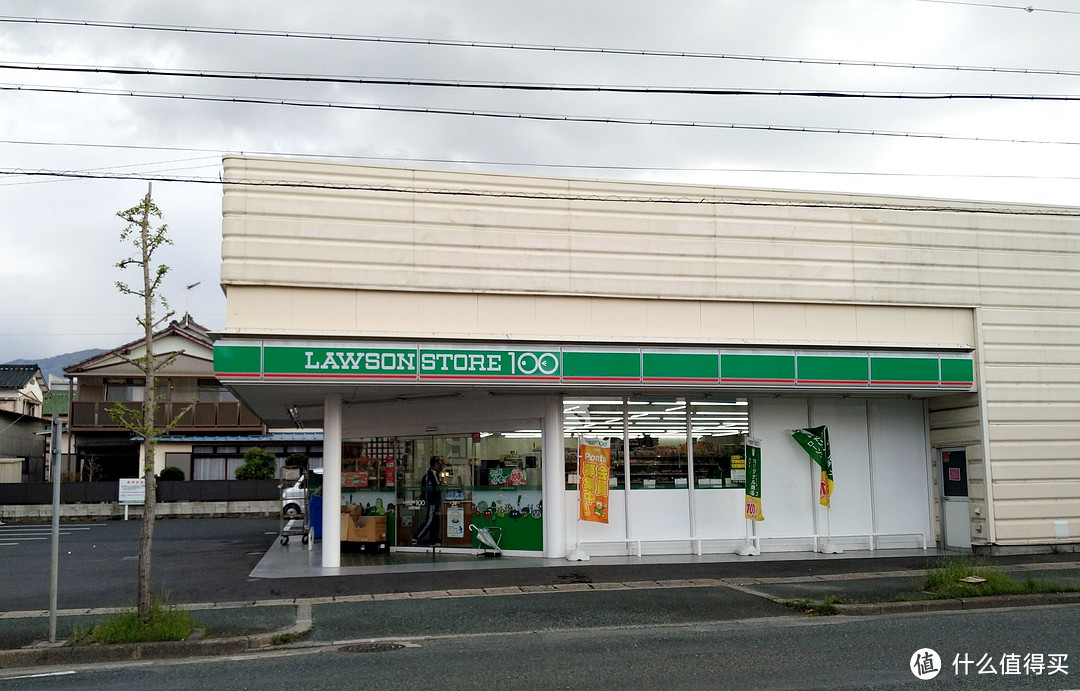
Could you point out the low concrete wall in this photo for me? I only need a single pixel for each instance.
(39, 513)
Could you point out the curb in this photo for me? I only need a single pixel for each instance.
(117, 652)
(986, 602)
(67, 654)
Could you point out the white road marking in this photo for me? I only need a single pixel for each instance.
(44, 674)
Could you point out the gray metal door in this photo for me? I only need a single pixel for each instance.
(955, 516)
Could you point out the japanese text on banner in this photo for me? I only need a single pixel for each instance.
(594, 469)
(753, 480)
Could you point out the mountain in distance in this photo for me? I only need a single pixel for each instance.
(57, 363)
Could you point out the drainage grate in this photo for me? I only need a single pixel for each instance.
(371, 647)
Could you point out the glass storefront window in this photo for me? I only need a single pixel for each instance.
(489, 480)
(657, 433)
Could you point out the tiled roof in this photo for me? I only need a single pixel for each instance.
(186, 327)
(16, 376)
(55, 403)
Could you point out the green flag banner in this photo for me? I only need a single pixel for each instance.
(815, 441)
(753, 480)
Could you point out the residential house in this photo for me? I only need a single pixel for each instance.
(186, 391)
(22, 450)
(58, 403)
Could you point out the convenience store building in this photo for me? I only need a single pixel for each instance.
(490, 321)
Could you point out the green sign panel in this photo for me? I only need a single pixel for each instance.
(330, 363)
(957, 371)
(904, 370)
(757, 369)
(238, 361)
(602, 365)
(676, 367)
(833, 369)
(465, 364)
(244, 360)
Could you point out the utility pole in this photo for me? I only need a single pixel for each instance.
(54, 567)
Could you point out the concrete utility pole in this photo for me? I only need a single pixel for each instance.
(54, 567)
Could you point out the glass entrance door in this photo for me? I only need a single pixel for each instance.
(435, 492)
(488, 480)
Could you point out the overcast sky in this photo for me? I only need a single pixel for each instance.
(59, 238)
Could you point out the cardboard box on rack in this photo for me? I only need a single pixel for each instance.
(356, 527)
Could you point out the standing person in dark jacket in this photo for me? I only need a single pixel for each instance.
(428, 533)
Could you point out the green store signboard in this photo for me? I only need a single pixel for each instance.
(243, 360)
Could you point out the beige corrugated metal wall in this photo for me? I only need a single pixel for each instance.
(394, 252)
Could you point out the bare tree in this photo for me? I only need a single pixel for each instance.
(141, 421)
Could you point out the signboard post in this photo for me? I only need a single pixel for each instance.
(752, 495)
(132, 491)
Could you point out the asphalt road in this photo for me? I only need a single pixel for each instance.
(771, 652)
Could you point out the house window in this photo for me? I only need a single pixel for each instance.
(179, 460)
(208, 469)
(124, 390)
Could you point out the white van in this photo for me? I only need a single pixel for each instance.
(294, 498)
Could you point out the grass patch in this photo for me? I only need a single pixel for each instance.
(287, 638)
(946, 581)
(163, 624)
(814, 608)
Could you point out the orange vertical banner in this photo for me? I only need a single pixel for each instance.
(594, 474)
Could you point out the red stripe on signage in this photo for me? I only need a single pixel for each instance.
(633, 379)
(833, 381)
(236, 374)
(905, 383)
(704, 380)
(957, 383)
(759, 381)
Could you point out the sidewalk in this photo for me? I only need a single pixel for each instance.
(511, 599)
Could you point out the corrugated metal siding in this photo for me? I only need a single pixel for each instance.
(1023, 271)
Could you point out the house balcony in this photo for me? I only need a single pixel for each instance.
(218, 417)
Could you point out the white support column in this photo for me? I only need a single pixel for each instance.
(554, 489)
(331, 490)
(626, 466)
(690, 471)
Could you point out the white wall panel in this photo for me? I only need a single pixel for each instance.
(614, 529)
(846, 420)
(898, 448)
(660, 513)
(721, 513)
(788, 484)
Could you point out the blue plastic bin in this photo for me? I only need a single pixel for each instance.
(315, 515)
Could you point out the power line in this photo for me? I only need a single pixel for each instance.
(1026, 8)
(549, 196)
(501, 115)
(558, 166)
(529, 86)
(492, 45)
